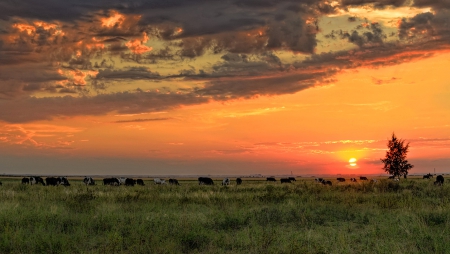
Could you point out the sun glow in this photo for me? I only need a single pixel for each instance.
(352, 162)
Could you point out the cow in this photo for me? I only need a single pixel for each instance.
(36, 180)
(140, 182)
(1, 183)
(159, 181)
(238, 181)
(129, 182)
(88, 181)
(353, 180)
(427, 176)
(205, 181)
(319, 180)
(271, 179)
(226, 181)
(363, 178)
(327, 182)
(340, 179)
(111, 181)
(63, 181)
(439, 180)
(173, 181)
(122, 180)
(25, 180)
(285, 180)
(292, 179)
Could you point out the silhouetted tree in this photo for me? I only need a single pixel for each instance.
(395, 162)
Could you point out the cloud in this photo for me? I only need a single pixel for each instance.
(143, 120)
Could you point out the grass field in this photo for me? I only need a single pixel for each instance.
(412, 216)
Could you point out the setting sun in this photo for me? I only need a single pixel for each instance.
(352, 162)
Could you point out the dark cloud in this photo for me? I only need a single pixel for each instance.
(143, 120)
(127, 73)
(375, 3)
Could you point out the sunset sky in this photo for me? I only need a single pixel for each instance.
(186, 87)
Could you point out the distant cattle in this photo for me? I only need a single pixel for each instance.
(285, 180)
(292, 179)
(111, 181)
(323, 181)
(205, 181)
(238, 181)
(25, 180)
(129, 182)
(36, 180)
(140, 182)
(173, 181)
(353, 180)
(55, 181)
(226, 181)
(340, 179)
(88, 181)
(439, 180)
(271, 179)
(159, 181)
(122, 180)
(319, 180)
(427, 176)
(363, 178)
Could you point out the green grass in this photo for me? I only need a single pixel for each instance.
(412, 216)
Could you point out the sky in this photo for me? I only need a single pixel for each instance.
(194, 87)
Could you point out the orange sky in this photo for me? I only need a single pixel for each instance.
(129, 93)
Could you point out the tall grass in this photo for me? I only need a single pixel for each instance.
(412, 216)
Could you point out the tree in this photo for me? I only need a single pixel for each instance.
(395, 162)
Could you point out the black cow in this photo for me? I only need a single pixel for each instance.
(25, 180)
(341, 179)
(439, 180)
(238, 181)
(1, 183)
(363, 178)
(63, 181)
(427, 176)
(205, 181)
(292, 179)
(88, 181)
(36, 180)
(327, 183)
(111, 181)
(140, 182)
(55, 181)
(129, 182)
(173, 181)
(285, 180)
(271, 179)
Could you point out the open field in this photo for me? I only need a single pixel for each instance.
(412, 216)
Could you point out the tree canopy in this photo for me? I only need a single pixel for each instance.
(395, 162)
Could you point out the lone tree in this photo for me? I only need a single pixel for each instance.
(395, 162)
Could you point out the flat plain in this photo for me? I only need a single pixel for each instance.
(410, 216)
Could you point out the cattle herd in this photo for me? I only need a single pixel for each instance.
(113, 181)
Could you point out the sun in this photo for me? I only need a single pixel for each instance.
(352, 162)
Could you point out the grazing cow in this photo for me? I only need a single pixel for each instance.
(340, 179)
(238, 181)
(271, 179)
(111, 181)
(159, 181)
(129, 182)
(319, 180)
(88, 181)
(285, 180)
(353, 180)
(173, 181)
(53, 181)
(439, 180)
(226, 181)
(36, 180)
(292, 179)
(327, 183)
(140, 182)
(63, 181)
(363, 178)
(427, 176)
(205, 181)
(25, 180)
(122, 180)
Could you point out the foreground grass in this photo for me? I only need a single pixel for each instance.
(256, 217)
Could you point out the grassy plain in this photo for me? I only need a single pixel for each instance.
(412, 216)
